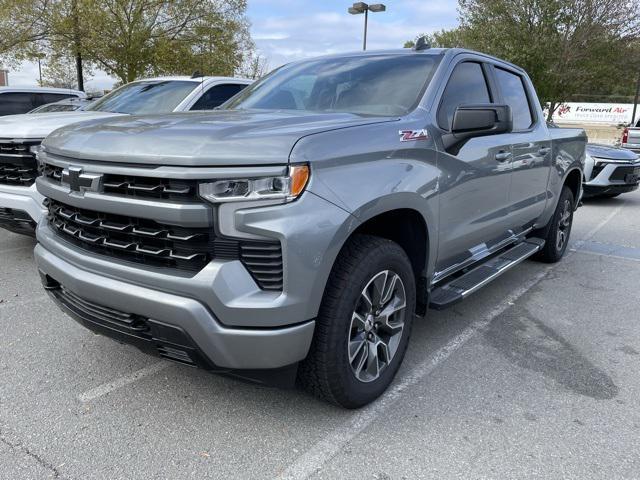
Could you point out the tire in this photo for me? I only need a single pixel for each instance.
(331, 371)
(559, 229)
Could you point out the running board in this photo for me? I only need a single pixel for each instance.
(461, 287)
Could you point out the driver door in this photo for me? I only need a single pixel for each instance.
(475, 179)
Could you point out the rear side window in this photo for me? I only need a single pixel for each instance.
(515, 95)
(44, 98)
(466, 86)
(16, 102)
(216, 96)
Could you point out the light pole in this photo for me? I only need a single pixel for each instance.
(361, 7)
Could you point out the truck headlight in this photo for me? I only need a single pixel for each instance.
(285, 188)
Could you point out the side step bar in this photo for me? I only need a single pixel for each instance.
(459, 288)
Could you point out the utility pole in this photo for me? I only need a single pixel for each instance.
(635, 101)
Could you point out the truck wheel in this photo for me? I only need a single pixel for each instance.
(559, 229)
(364, 323)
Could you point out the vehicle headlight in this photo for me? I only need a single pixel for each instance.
(285, 188)
(604, 161)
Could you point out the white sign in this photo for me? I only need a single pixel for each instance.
(605, 113)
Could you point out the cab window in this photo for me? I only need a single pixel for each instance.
(16, 102)
(514, 94)
(216, 96)
(467, 85)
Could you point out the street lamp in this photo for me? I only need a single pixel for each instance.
(361, 7)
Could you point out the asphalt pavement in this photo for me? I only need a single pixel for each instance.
(534, 376)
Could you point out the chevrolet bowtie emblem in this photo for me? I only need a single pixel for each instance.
(81, 182)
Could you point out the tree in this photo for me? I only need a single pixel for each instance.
(131, 38)
(22, 24)
(60, 71)
(568, 47)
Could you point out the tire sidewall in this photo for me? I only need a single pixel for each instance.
(565, 195)
(385, 257)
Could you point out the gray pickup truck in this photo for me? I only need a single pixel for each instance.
(297, 233)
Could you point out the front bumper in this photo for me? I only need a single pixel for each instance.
(614, 178)
(174, 322)
(26, 203)
(233, 322)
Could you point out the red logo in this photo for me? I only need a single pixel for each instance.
(410, 135)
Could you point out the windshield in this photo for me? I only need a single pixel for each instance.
(57, 107)
(382, 84)
(145, 97)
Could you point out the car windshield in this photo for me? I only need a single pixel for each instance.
(57, 107)
(383, 84)
(145, 97)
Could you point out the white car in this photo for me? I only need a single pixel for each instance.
(610, 171)
(20, 135)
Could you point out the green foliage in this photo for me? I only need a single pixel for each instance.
(569, 47)
(132, 38)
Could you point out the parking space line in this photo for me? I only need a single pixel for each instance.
(16, 249)
(313, 459)
(608, 255)
(120, 382)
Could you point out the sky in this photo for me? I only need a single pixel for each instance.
(288, 30)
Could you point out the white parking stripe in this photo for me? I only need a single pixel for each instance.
(314, 458)
(122, 381)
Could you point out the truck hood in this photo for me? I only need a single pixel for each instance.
(39, 125)
(231, 137)
(609, 152)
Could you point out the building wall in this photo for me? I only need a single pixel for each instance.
(606, 134)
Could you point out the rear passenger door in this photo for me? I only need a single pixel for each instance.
(475, 181)
(531, 149)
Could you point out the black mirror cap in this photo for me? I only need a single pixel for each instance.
(479, 120)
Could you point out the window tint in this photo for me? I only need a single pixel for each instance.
(373, 84)
(515, 96)
(16, 102)
(216, 96)
(44, 98)
(466, 86)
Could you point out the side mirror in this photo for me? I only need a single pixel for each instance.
(470, 121)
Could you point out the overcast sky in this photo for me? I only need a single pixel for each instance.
(287, 30)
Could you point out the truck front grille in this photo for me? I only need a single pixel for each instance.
(155, 244)
(134, 239)
(18, 166)
(139, 187)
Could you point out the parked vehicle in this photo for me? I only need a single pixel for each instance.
(66, 105)
(20, 135)
(296, 232)
(631, 137)
(15, 100)
(610, 171)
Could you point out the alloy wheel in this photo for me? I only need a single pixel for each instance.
(377, 325)
(564, 225)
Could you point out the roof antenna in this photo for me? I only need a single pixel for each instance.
(421, 44)
(196, 74)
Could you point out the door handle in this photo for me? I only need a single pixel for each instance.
(503, 156)
(544, 150)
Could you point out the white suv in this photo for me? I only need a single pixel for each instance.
(20, 135)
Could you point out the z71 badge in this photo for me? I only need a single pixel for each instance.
(410, 135)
